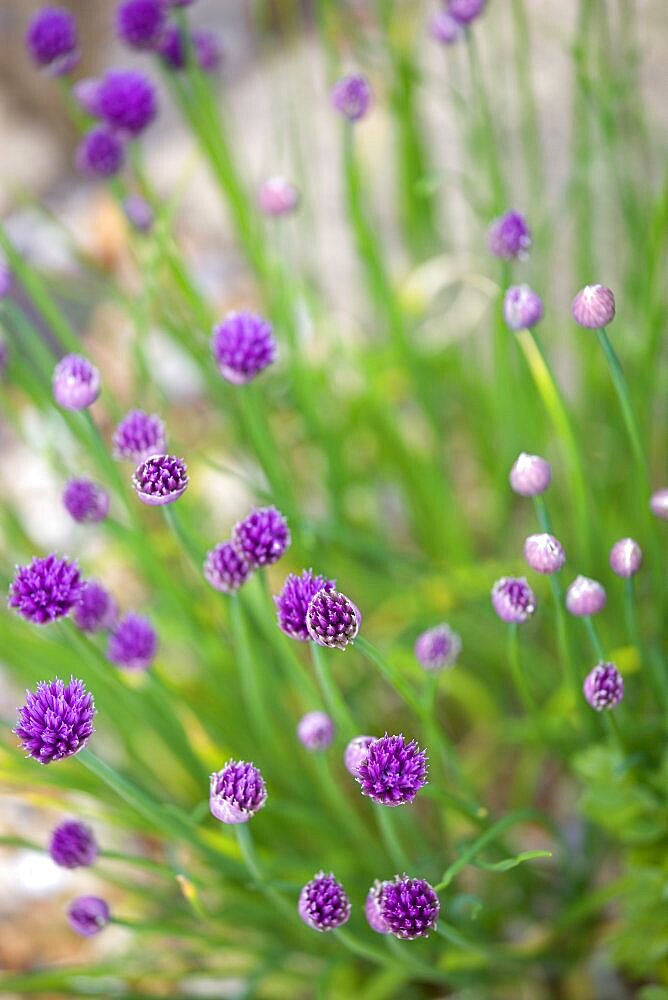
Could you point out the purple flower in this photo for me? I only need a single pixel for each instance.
(409, 907)
(332, 619)
(393, 771)
(76, 382)
(225, 568)
(625, 557)
(138, 436)
(509, 237)
(594, 307)
(375, 918)
(160, 480)
(277, 196)
(133, 643)
(45, 590)
(293, 601)
(56, 720)
(444, 28)
(51, 40)
(513, 599)
(355, 753)
(85, 500)
(101, 153)
(243, 345)
(96, 609)
(351, 97)
(73, 845)
(604, 686)
(205, 44)
(437, 648)
(530, 475)
(544, 553)
(139, 213)
(262, 537)
(585, 597)
(659, 504)
(88, 915)
(315, 730)
(86, 93)
(128, 100)
(465, 11)
(237, 792)
(522, 307)
(323, 903)
(140, 23)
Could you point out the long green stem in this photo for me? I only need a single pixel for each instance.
(333, 698)
(521, 682)
(594, 637)
(624, 396)
(390, 674)
(390, 837)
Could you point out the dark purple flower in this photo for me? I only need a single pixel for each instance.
(86, 93)
(277, 196)
(206, 48)
(140, 23)
(332, 619)
(138, 436)
(56, 720)
(509, 237)
(96, 609)
(88, 915)
(225, 568)
(323, 903)
(237, 792)
(522, 307)
(293, 601)
(375, 918)
(262, 537)
(544, 553)
(604, 686)
(409, 907)
(530, 475)
(355, 753)
(315, 730)
(243, 345)
(85, 500)
(51, 40)
(513, 599)
(160, 480)
(393, 771)
(585, 597)
(444, 28)
(76, 382)
(438, 648)
(101, 153)
(351, 97)
(73, 845)
(128, 100)
(45, 590)
(625, 557)
(465, 11)
(132, 643)
(659, 504)
(593, 307)
(139, 213)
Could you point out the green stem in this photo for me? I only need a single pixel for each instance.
(176, 527)
(488, 837)
(655, 663)
(595, 639)
(390, 838)
(249, 856)
(521, 682)
(248, 676)
(389, 673)
(628, 414)
(333, 698)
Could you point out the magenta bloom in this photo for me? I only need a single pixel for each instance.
(659, 504)
(85, 501)
(393, 771)
(139, 436)
(226, 569)
(625, 557)
(128, 101)
(293, 601)
(409, 907)
(237, 792)
(243, 345)
(96, 609)
(604, 687)
(101, 153)
(513, 599)
(585, 597)
(133, 643)
(262, 537)
(332, 619)
(277, 196)
(509, 237)
(140, 23)
(76, 382)
(73, 845)
(315, 730)
(522, 307)
(465, 11)
(205, 45)
(351, 97)
(594, 307)
(45, 590)
(88, 915)
(544, 553)
(437, 648)
(355, 753)
(372, 911)
(56, 720)
(51, 40)
(530, 475)
(444, 28)
(160, 480)
(139, 213)
(323, 903)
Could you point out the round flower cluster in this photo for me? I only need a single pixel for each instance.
(437, 648)
(392, 771)
(237, 792)
(260, 539)
(73, 845)
(56, 720)
(133, 643)
(332, 619)
(243, 345)
(46, 589)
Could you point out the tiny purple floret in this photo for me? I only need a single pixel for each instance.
(237, 792)
(76, 382)
(128, 101)
(522, 307)
(594, 307)
(530, 475)
(243, 345)
(625, 557)
(393, 771)
(133, 643)
(51, 40)
(604, 687)
(46, 589)
(355, 753)
(96, 609)
(465, 11)
(585, 597)
(351, 97)
(160, 480)
(277, 196)
(293, 601)
(85, 501)
(438, 648)
(372, 912)
(509, 237)
(138, 436)
(659, 504)
(409, 907)
(73, 845)
(444, 28)
(544, 553)
(315, 730)
(88, 915)
(323, 903)
(226, 569)
(140, 23)
(101, 153)
(56, 721)
(262, 537)
(332, 619)
(139, 213)
(513, 599)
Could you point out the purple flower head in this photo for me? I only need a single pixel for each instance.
(51, 40)
(56, 720)
(659, 504)
(101, 153)
(293, 601)
(409, 907)
(544, 553)
(96, 609)
(509, 237)
(86, 93)
(73, 845)
(375, 918)
(206, 47)
(593, 307)
(237, 792)
(522, 307)
(139, 213)
(444, 28)
(85, 500)
(355, 753)
(323, 903)
(585, 597)
(315, 730)
(133, 643)
(45, 590)
(262, 537)
(437, 648)
(88, 915)
(226, 569)
(138, 436)
(140, 23)
(277, 196)
(332, 619)
(160, 480)
(128, 100)
(393, 771)
(513, 599)
(243, 345)
(604, 686)
(351, 97)
(625, 557)
(465, 11)
(530, 475)
(76, 382)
